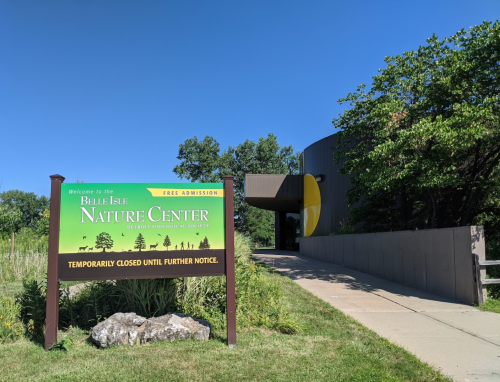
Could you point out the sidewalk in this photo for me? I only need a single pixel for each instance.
(459, 340)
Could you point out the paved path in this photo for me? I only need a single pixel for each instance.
(459, 340)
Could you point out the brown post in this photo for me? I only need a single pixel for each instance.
(52, 315)
(12, 245)
(230, 272)
(477, 280)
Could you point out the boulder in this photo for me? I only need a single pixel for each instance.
(175, 326)
(130, 329)
(119, 329)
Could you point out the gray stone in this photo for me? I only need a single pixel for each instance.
(119, 329)
(175, 326)
(131, 329)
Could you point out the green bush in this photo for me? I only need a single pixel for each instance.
(11, 328)
(95, 302)
(148, 298)
(33, 302)
(258, 295)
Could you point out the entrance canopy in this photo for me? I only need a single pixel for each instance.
(282, 193)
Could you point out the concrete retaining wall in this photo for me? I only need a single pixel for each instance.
(438, 261)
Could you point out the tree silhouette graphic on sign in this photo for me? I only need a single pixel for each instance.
(204, 244)
(104, 241)
(166, 242)
(140, 243)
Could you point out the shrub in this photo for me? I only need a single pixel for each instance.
(258, 295)
(11, 328)
(32, 302)
(149, 298)
(95, 302)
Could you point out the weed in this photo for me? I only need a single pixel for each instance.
(11, 328)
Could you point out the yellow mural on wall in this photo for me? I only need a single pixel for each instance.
(312, 205)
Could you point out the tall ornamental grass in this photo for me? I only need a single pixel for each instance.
(29, 259)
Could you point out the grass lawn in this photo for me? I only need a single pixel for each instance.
(491, 305)
(330, 347)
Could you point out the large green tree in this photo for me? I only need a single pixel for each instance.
(423, 144)
(203, 161)
(20, 209)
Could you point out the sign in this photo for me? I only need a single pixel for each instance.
(114, 231)
(141, 230)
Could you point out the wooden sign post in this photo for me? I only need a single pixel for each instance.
(80, 212)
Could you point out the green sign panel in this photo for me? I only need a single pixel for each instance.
(127, 230)
(134, 217)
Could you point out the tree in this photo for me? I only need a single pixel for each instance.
(104, 241)
(10, 219)
(202, 161)
(28, 205)
(166, 242)
(43, 224)
(261, 225)
(140, 243)
(423, 144)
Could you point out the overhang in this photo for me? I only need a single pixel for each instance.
(275, 192)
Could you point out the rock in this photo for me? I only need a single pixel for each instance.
(175, 326)
(119, 329)
(130, 329)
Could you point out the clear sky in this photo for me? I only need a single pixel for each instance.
(105, 91)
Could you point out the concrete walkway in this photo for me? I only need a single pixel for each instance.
(459, 340)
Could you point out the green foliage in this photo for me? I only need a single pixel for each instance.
(148, 297)
(29, 258)
(42, 225)
(423, 143)
(20, 209)
(202, 161)
(11, 328)
(345, 228)
(491, 305)
(62, 345)
(94, 303)
(32, 301)
(258, 296)
(261, 225)
(10, 220)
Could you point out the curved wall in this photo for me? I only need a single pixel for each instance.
(318, 160)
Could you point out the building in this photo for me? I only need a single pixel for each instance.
(309, 204)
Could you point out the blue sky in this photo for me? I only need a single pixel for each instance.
(105, 91)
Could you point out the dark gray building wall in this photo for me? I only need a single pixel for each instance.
(318, 160)
(437, 261)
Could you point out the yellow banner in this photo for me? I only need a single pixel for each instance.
(179, 192)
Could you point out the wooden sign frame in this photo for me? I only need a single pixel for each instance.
(53, 271)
